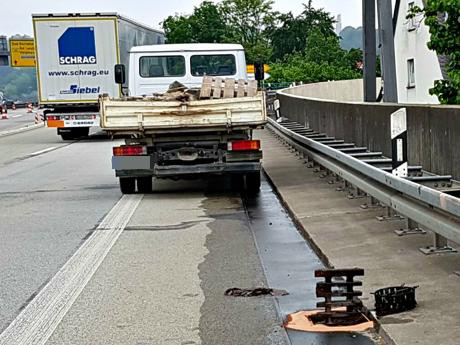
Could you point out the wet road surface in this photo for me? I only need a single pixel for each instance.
(289, 264)
(164, 279)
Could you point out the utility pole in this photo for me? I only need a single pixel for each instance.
(370, 51)
(385, 16)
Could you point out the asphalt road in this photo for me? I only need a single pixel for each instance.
(79, 265)
(49, 202)
(16, 119)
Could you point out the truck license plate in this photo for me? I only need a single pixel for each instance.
(81, 123)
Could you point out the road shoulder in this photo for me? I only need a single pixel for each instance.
(348, 236)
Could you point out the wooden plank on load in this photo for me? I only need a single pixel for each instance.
(241, 88)
(217, 89)
(206, 87)
(252, 88)
(229, 90)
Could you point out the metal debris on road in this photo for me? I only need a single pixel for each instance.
(394, 299)
(236, 292)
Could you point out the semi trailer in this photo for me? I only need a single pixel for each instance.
(75, 55)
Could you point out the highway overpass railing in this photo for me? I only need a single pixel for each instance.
(314, 127)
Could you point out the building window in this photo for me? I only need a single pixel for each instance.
(410, 73)
(3, 44)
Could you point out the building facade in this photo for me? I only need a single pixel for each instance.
(4, 54)
(417, 67)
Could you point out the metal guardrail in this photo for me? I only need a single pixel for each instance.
(432, 209)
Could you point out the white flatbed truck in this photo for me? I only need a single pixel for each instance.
(186, 139)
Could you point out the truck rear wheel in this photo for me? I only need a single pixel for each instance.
(67, 136)
(253, 183)
(144, 185)
(127, 185)
(237, 182)
(74, 133)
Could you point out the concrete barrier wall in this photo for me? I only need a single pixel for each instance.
(342, 91)
(433, 131)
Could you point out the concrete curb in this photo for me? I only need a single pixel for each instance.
(21, 130)
(323, 257)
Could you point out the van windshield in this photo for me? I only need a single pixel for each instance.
(162, 66)
(213, 65)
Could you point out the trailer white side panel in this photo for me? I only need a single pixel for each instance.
(76, 58)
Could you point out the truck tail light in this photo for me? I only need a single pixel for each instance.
(52, 117)
(244, 145)
(130, 150)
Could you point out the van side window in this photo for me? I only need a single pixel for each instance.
(162, 66)
(213, 65)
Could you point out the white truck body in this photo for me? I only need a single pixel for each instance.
(185, 139)
(76, 54)
(189, 56)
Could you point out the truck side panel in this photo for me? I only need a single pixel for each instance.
(75, 58)
(131, 35)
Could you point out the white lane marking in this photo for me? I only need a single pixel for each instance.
(17, 115)
(20, 130)
(36, 153)
(38, 320)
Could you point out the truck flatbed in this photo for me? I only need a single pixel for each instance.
(149, 117)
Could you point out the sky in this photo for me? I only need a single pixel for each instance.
(15, 16)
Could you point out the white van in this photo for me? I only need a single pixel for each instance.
(154, 68)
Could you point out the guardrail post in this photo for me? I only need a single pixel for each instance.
(440, 246)
(390, 214)
(356, 193)
(371, 203)
(276, 107)
(412, 229)
(399, 142)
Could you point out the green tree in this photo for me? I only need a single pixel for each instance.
(322, 60)
(291, 34)
(205, 25)
(247, 22)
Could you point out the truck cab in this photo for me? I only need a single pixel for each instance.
(154, 68)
